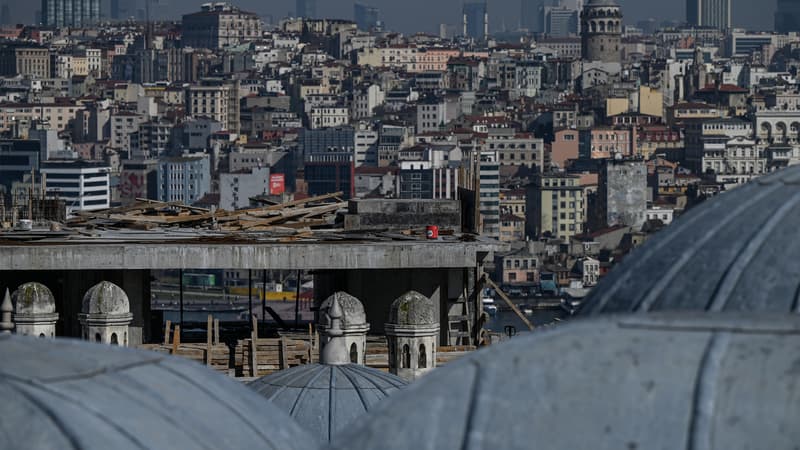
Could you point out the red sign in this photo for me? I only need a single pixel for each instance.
(277, 184)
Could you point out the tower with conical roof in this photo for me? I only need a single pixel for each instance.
(601, 31)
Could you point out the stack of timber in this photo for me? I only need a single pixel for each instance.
(261, 356)
(147, 214)
(212, 353)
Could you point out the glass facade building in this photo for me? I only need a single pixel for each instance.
(70, 13)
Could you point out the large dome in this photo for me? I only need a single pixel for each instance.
(324, 399)
(736, 252)
(640, 382)
(69, 394)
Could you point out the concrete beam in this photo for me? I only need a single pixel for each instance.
(294, 256)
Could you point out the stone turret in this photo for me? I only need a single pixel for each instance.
(34, 310)
(106, 314)
(601, 31)
(353, 325)
(412, 334)
(6, 308)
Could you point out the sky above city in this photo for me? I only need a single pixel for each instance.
(426, 15)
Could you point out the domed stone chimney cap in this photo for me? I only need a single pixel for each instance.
(413, 308)
(106, 298)
(33, 298)
(352, 310)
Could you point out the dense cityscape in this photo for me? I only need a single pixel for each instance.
(326, 204)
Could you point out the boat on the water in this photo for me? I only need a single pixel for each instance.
(489, 306)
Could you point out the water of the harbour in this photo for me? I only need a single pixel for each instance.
(499, 322)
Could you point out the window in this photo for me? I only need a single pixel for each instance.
(406, 362)
(423, 357)
(354, 353)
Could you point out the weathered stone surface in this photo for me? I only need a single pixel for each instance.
(105, 298)
(33, 298)
(63, 394)
(736, 252)
(717, 381)
(352, 310)
(327, 399)
(413, 308)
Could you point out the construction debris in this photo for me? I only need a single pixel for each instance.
(147, 214)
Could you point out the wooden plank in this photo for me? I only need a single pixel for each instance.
(216, 331)
(166, 332)
(509, 302)
(254, 349)
(176, 339)
(284, 363)
(209, 340)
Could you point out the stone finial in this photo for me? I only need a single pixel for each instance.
(335, 350)
(5, 314)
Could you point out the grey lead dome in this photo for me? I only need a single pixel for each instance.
(736, 252)
(76, 395)
(654, 381)
(326, 399)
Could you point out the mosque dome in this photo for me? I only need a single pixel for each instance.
(70, 394)
(326, 399)
(352, 310)
(413, 308)
(33, 299)
(105, 298)
(651, 381)
(736, 252)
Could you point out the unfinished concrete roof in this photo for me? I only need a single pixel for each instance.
(33, 299)
(653, 381)
(189, 249)
(326, 399)
(736, 252)
(66, 394)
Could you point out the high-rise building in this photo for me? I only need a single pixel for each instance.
(366, 17)
(601, 31)
(220, 25)
(114, 10)
(70, 13)
(554, 206)
(306, 9)
(709, 13)
(621, 194)
(5, 14)
(787, 17)
(560, 21)
(476, 19)
(529, 18)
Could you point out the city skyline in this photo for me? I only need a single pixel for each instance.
(404, 17)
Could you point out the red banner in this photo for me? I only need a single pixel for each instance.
(277, 184)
